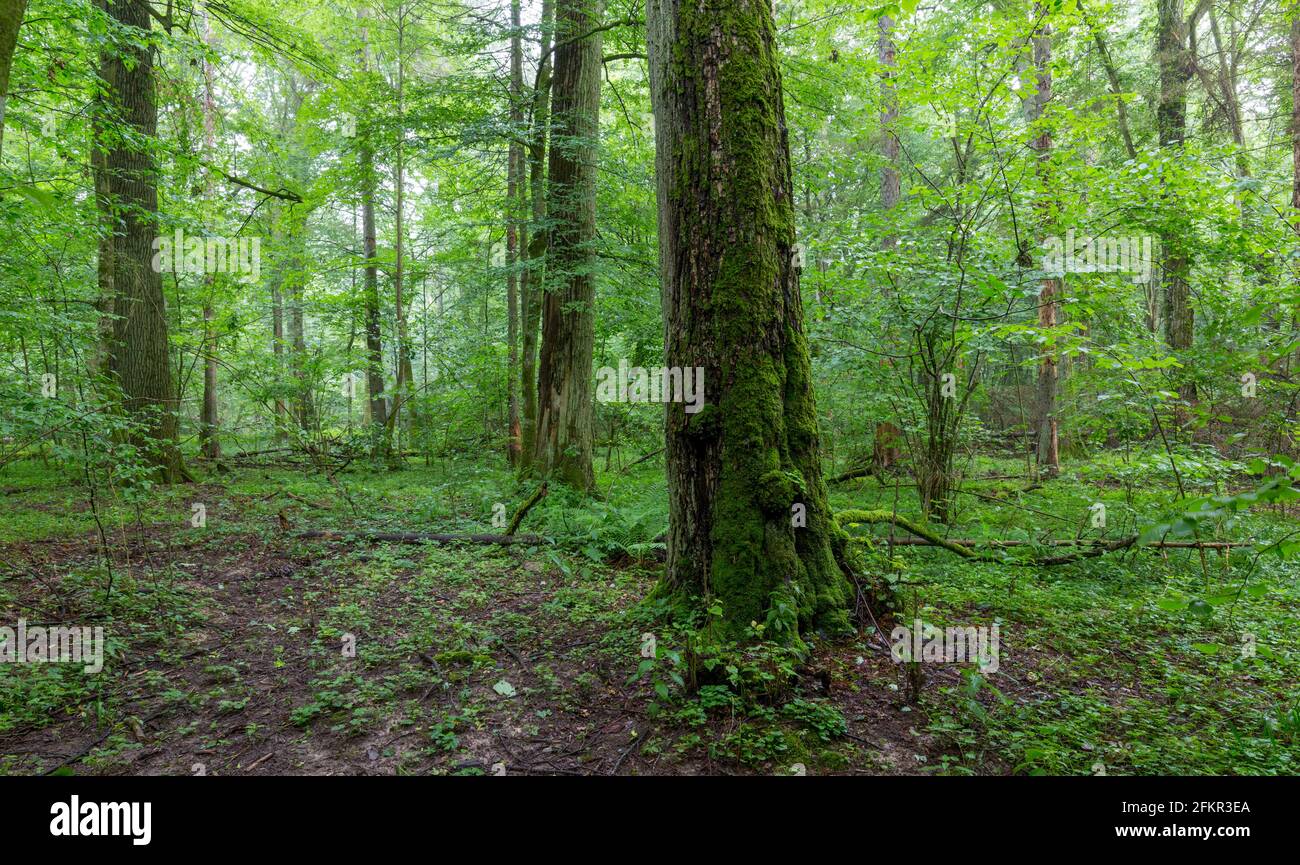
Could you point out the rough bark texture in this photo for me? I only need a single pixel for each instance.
(210, 421)
(1171, 124)
(374, 338)
(514, 171)
(11, 18)
(107, 224)
(563, 443)
(1295, 138)
(139, 359)
(890, 185)
(732, 306)
(1045, 420)
(533, 239)
(295, 284)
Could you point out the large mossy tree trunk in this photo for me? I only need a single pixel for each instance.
(738, 468)
(139, 359)
(563, 442)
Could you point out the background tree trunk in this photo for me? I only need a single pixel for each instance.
(890, 183)
(1045, 420)
(374, 338)
(731, 301)
(209, 421)
(107, 223)
(514, 171)
(563, 445)
(533, 239)
(1171, 125)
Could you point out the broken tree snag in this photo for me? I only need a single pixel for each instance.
(1088, 547)
(416, 538)
(525, 508)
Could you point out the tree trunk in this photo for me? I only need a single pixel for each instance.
(11, 18)
(209, 421)
(890, 185)
(1171, 124)
(107, 223)
(139, 357)
(374, 337)
(1045, 420)
(884, 449)
(295, 289)
(1295, 145)
(514, 171)
(405, 387)
(740, 468)
(563, 443)
(533, 240)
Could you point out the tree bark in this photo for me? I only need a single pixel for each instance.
(405, 387)
(1045, 420)
(209, 421)
(533, 239)
(374, 337)
(738, 468)
(11, 19)
(563, 444)
(890, 184)
(1171, 125)
(107, 224)
(139, 357)
(514, 171)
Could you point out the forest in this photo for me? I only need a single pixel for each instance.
(650, 387)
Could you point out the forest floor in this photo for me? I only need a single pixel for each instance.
(228, 642)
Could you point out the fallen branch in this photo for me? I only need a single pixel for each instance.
(525, 508)
(1070, 542)
(639, 460)
(851, 474)
(1090, 548)
(416, 537)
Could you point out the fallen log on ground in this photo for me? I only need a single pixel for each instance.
(1068, 542)
(1087, 551)
(525, 508)
(416, 537)
(859, 472)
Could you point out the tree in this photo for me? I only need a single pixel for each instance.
(739, 467)
(378, 407)
(1045, 421)
(139, 357)
(532, 238)
(209, 421)
(1171, 125)
(11, 18)
(563, 442)
(514, 175)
